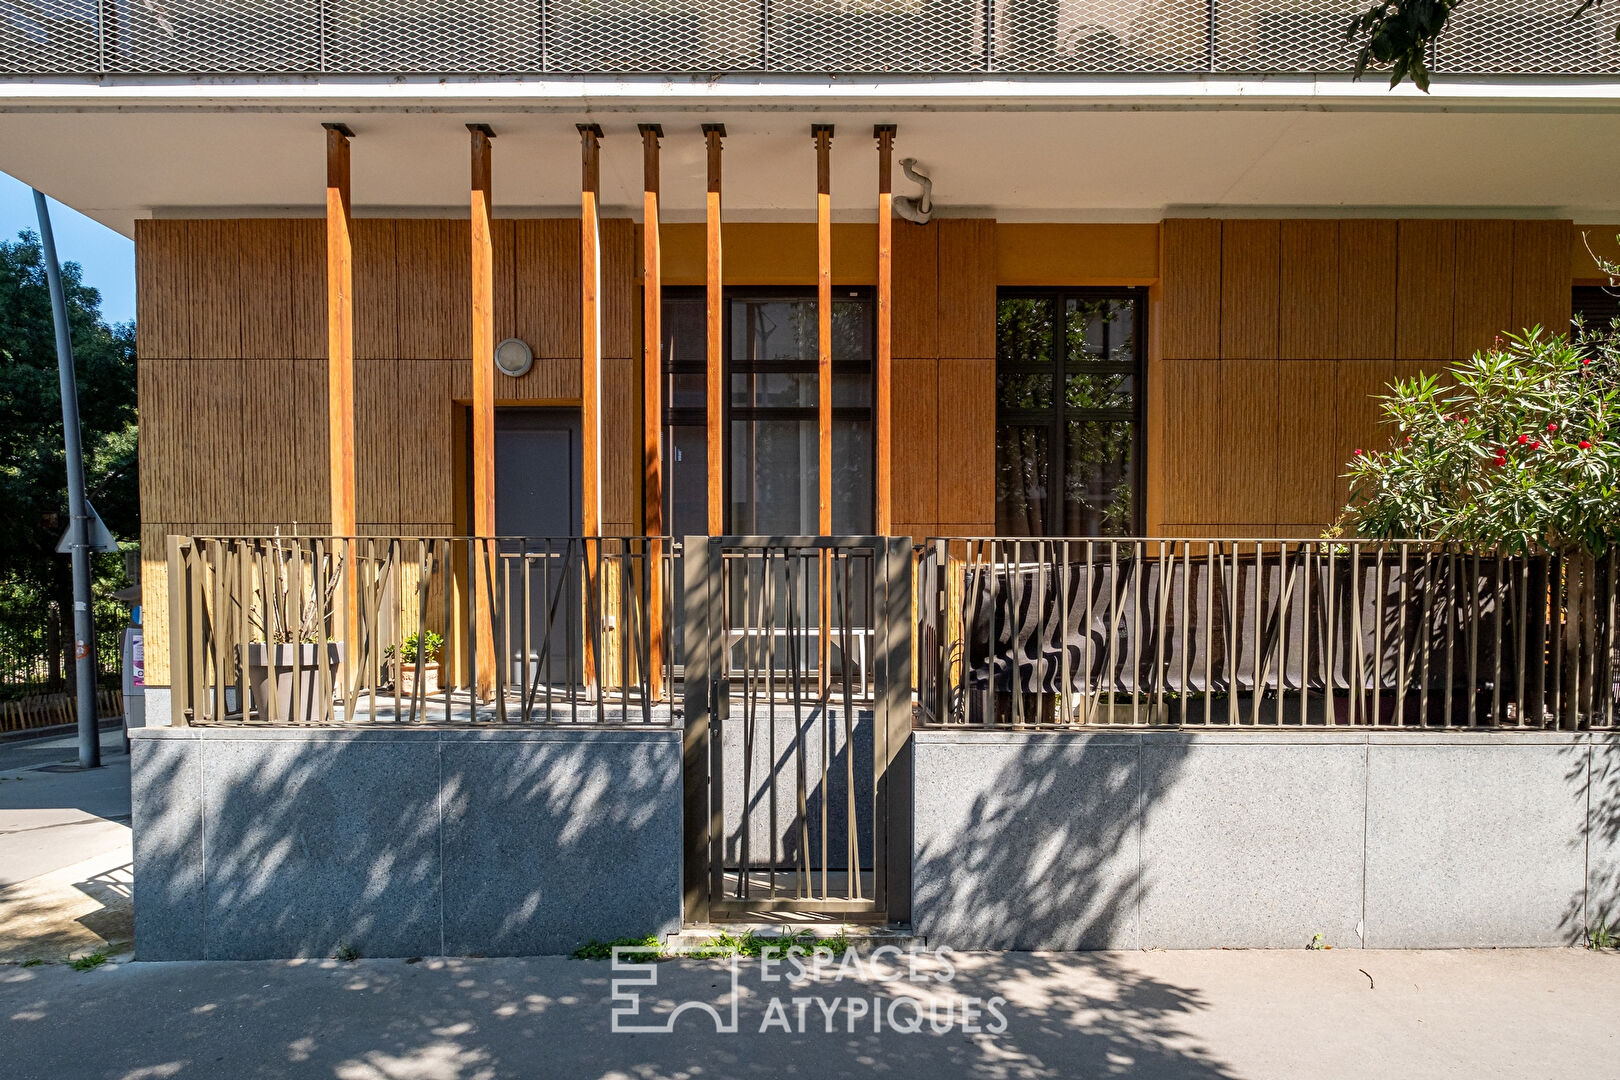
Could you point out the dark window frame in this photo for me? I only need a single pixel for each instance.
(1055, 418)
(697, 416)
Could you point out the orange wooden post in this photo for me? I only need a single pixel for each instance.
(590, 389)
(823, 133)
(652, 405)
(882, 386)
(483, 406)
(716, 311)
(339, 330)
(340, 381)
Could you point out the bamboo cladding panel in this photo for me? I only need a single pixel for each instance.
(434, 268)
(548, 286)
(1246, 453)
(1307, 460)
(916, 457)
(967, 288)
(162, 298)
(1191, 289)
(1483, 300)
(1367, 288)
(376, 289)
(1541, 278)
(1358, 289)
(1308, 290)
(1426, 253)
(915, 320)
(621, 448)
(967, 410)
(1249, 283)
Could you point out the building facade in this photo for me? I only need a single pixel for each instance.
(903, 268)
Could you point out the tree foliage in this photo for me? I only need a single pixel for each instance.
(34, 580)
(1517, 450)
(1397, 34)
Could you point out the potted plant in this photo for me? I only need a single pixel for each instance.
(288, 628)
(418, 653)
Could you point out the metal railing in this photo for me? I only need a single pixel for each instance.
(441, 630)
(709, 37)
(1262, 633)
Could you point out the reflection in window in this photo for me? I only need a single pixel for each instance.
(1068, 376)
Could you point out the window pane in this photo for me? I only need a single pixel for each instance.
(773, 476)
(1023, 469)
(851, 477)
(687, 481)
(685, 333)
(687, 392)
(766, 389)
(1097, 495)
(1024, 330)
(1100, 329)
(1023, 390)
(773, 331)
(1100, 390)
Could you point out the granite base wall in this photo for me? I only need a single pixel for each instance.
(256, 844)
(1026, 840)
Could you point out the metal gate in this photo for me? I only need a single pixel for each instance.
(798, 718)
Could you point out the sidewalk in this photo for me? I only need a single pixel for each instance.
(64, 849)
(1165, 1016)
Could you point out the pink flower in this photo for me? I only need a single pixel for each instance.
(1552, 427)
(1536, 445)
(1358, 452)
(1523, 439)
(1584, 445)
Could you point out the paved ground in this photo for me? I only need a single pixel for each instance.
(1192, 1015)
(64, 849)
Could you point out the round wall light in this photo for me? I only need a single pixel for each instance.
(513, 356)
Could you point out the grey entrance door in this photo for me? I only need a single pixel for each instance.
(537, 513)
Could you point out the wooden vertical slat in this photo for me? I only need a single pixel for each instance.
(616, 299)
(1541, 276)
(482, 359)
(341, 503)
(1191, 264)
(482, 342)
(1367, 289)
(652, 401)
(715, 314)
(1425, 277)
(503, 255)
(1308, 291)
(426, 458)
(590, 359)
(379, 419)
(1483, 290)
(882, 395)
(1249, 283)
(823, 134)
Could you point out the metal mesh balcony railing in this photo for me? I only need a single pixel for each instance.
(706, 37)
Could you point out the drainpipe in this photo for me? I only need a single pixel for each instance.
(78, 513)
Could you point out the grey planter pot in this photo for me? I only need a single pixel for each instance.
(283, 661)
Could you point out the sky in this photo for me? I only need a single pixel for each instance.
(108, 259)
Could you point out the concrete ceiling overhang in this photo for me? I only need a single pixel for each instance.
(1021, 151)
